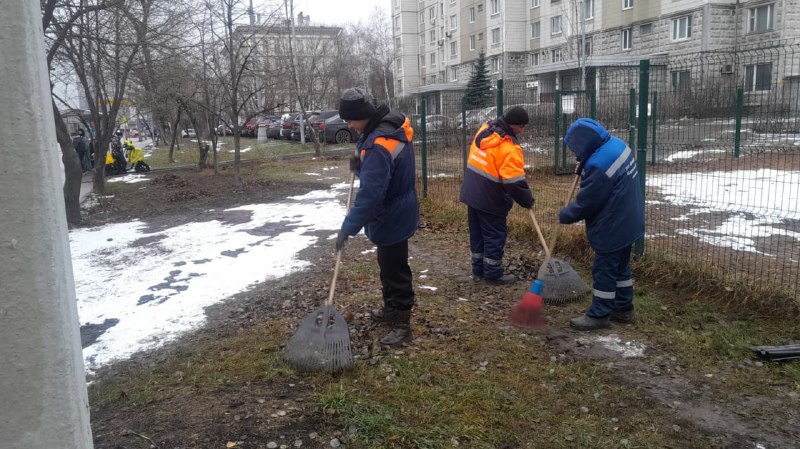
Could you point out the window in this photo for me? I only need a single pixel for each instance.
(627, 4)
(472, 15)
(397, 44)
(422, 17)
(453, 49)
(536, 30)
(472, 43)
(682, 28)
(760, 19)
(586, 49)
(422, 39)
(453, 22)
(396, 3)
(496, 36)
(495, 65)
(557, 56)
(533, 59)
(480, 36)
(399, 65)
(680, 79)
(433, 37)
(758, 77)
(494, 5)
(432, 13)
(397, 22)
(587, 9)
(627, 35)
(536, 3)
(453, 74)
(647, 28)
(422, 60)
(555, 25)
(433, 59)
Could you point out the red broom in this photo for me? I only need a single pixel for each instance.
(528, 311)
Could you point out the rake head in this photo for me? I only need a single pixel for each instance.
(562, 284)
(321, 343)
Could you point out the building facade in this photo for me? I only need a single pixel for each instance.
(564, 44)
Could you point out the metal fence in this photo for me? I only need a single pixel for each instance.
(722, 150)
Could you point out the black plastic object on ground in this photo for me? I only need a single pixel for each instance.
(777, 353)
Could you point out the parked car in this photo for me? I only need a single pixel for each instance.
(318, 119)
(335, 130)
(274, 129)
(223, 130)
(439, 123)
(286, 124)
(476, 117)
(296, 125)
(189, 132)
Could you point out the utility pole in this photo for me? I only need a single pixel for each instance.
(292, 41)
(42, 379)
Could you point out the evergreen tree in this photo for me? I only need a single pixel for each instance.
(478, 93)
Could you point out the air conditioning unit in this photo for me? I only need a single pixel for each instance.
(532, 84)
(441, 42)
(448, 34)
(433, 21)
(726, 69)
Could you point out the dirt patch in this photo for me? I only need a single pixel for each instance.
(280, 409)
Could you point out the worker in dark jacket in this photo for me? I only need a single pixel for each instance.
(493, 181)
(610, 201)
(386, 205)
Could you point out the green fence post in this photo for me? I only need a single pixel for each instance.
(464, 130)
(424, 125)
(557, 140)
(737, 139)
(632, 119)
(500, 98)
(653, 140)
(593, 100)
(641, 154)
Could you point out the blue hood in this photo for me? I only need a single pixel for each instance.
(584, 137)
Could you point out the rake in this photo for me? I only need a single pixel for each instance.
(562, 284)
(322, 341)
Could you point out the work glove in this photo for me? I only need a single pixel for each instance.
(341, 238)
(355, 163)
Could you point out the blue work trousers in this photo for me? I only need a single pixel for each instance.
(612, 284)
(487, 242)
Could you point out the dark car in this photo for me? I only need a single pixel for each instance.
(286, 124)
(335, 130)
(223, 130)
(274, 129)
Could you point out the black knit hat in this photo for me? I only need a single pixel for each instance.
(516, 116)
(355, 105)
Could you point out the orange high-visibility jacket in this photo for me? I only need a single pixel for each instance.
(495, 175)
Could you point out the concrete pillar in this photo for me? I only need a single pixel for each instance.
(261, 137)
(43, 401)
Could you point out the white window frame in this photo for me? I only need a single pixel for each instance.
(453, 74)
(433, 36)
(453, 49)
(422, 60)
(626, 39)
(494, 6)
(472, 15)
(472, 42)
(587, 11)
(676, 28)
(533, 59)
(422, 17)
(432, 13)
(536, 30)
(536, 3)
(495, 64)
(496, 39)
(433, 59)
(453, 22)
(755, 12)
(627, 4)
(675, 77)
(555, 20)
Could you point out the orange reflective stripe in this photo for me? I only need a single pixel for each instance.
(408, 129)
(389, 144)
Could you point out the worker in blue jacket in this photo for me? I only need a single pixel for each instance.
(611, 203)
(386, 205)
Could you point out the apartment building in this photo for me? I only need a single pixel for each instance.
(554, 44)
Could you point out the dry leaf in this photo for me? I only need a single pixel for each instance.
(231, 444)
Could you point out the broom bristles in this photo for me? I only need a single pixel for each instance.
(527, 313)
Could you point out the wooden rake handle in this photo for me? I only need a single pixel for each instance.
(539, 233)
(566, 203)
(329, 301)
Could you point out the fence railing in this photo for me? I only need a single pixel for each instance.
(722, 147)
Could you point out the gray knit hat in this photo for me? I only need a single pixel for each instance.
(355, 104)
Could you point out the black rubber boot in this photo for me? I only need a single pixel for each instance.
(379, 315)
(400, 321)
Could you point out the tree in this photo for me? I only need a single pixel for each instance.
(478, 93)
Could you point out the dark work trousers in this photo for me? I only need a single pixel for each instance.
(611, 283)
(487, 242)
(396, 278)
